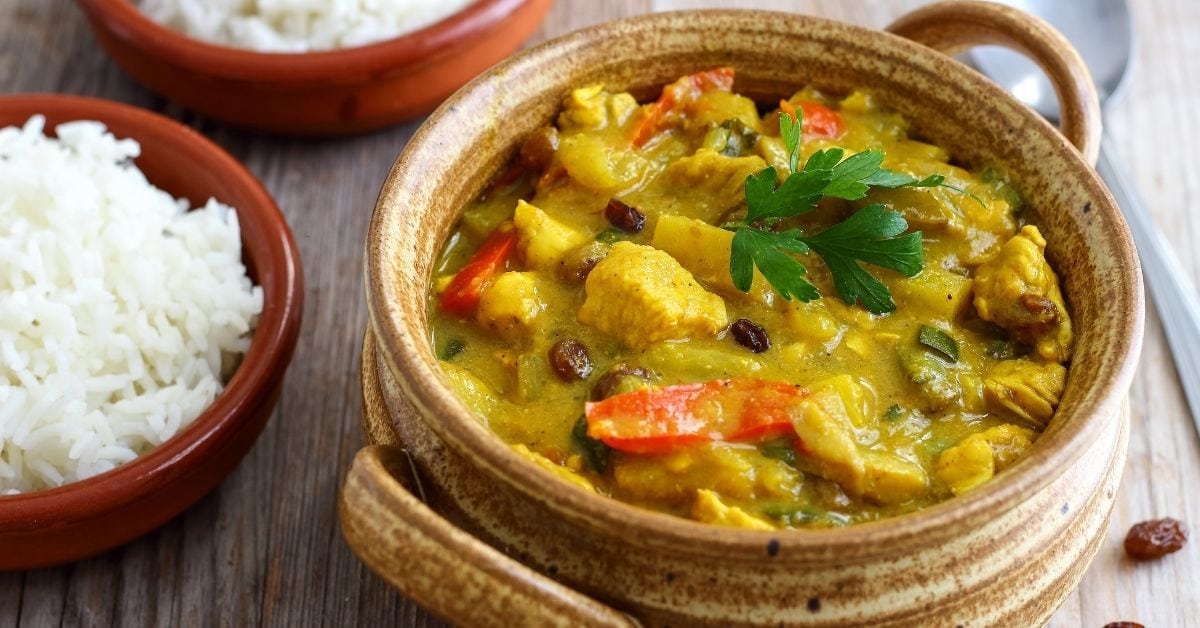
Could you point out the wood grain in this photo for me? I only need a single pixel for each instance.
(265, 548)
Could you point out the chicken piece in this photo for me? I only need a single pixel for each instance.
(978, 457)
(642, 296)
(705, 186)
(1009, 442)
(704, 250)
(826, 440)
(543, 239)
(966, 465)
(511, 305)
(1028, 390)
(1018, 291)
(736, 471)
(708, 508)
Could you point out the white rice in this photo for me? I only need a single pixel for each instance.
(119, 308)
(298, 25)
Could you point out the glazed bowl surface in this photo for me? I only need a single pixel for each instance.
(335, 92)
(1008, 552)
(87, 517)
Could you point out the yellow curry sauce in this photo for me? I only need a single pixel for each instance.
(853, 416)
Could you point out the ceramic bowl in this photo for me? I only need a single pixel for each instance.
(87, 517)
(320, 93)
(449, 514)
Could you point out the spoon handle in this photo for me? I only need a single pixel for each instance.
(1170, 286)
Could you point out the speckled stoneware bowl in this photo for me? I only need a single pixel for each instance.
(481, 536)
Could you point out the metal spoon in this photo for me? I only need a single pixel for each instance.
(1102, 31)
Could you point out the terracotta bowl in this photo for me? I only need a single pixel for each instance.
(320, 93)
(93, 515)
(479, 535)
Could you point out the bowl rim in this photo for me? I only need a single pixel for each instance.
(420, 46)
(270, 350)
(427, 391)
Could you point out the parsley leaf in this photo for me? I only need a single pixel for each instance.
(768, 251)
(789, 130)
(799, 193)
(871, 235)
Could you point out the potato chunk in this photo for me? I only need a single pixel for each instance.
(543, 239)
(891, 479)
(941, 293)
(708, 508)
(978, 457)
(812, 322)
(827, 442)
(1018, 291)
(1026, 389)
(511, 304)
(477, 395)
(705, 186)
(642, 296)
(704, 250)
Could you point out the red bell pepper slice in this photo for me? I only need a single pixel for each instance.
(819, 120)
(662, 419)
(677, 97)
(462, 295)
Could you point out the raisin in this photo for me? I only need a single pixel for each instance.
(1123, 624)
(1043, 309)
(577, 264)
(614, 380)
(750, 335)
(570, 360)
(1154, 539)
(624, 217)
(539, 148)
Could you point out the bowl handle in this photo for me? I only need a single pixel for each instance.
(442, 567)
(954, 26)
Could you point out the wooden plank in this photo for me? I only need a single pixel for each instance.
(265, 547)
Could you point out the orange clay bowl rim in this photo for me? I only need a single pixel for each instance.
(270, 348)
(455, 423)
(125, 20)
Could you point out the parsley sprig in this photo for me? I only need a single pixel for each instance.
(872, 235)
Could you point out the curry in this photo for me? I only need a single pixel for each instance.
(707, 309)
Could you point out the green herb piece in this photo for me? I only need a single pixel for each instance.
(594, 451)
(801, 516)
(873, 235)
(781, 450)
(1006, 350)
(939, 341)
(768, 251)
(611, 235)
(739, 139)
(893, 413)
(452, 349)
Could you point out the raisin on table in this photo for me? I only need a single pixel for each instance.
(1157, 538)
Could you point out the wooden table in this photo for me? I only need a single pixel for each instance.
(265, 547)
